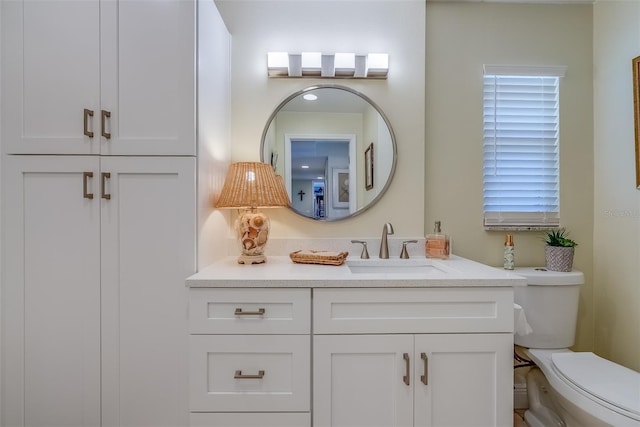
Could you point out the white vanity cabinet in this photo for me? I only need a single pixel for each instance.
(424, 350)
(112, 77)
(250, 357)
(406, 357)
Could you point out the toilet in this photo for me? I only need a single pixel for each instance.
(572, 389)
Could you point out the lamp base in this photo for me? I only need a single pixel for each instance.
(252, 259)
(252, 229)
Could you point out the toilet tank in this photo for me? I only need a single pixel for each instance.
(550, 304)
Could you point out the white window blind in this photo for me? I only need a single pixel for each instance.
(521, 159)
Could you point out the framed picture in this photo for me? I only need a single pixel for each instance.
(340, 188)
(368, 167)
(636, 115)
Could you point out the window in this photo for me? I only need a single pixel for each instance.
(521, 135)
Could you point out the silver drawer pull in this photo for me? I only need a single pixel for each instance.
(103, 123)
(240, 376)
(425, 378)
(87, 113)
(239, 312)
(407, 362)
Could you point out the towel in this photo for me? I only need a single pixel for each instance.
(521, 326)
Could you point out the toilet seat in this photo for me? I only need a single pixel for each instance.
(605, 382)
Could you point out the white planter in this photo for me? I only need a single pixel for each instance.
(559, 258)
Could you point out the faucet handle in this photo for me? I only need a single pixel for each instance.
(365, 252)
(404, 254)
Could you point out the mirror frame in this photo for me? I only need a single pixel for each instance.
(375, 106)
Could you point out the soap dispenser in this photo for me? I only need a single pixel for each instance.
(509, 259)
(437, 244)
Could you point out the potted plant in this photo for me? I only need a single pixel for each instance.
(559, 250)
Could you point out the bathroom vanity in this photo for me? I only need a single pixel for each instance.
(367, 343)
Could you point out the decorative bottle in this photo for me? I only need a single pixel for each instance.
(509, 261)
(437, 244)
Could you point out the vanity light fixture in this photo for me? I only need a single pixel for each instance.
(247, 187)
(336, 65)
(311, 64)
(278, 64)
(377, 65)
(344, 64)
(310, 97)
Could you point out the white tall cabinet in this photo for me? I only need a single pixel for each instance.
(99, 210)
(93, 303)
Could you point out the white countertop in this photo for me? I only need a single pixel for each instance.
(280, 271)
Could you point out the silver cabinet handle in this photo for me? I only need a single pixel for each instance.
(85, 190)
(239, 312)
(103, 122)
(407, 362)
(104, 177)
(87, 113)
(425, 377)
(240, 376)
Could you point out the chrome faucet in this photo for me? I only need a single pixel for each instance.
(384, 246)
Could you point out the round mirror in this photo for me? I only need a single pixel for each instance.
(334, 148)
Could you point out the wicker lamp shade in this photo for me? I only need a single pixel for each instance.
(252, 185)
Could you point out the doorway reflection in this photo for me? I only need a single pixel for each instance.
(319, 186)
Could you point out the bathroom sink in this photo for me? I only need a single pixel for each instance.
(413, 266)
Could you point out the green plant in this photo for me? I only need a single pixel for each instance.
(559, 238)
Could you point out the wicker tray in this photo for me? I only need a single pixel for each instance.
(318, 257)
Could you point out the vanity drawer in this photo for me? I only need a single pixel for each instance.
(424, 310)
(249, 311)
(250, 373)
(250, 419)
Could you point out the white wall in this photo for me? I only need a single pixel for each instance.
(461, 37)
(306, 204)
(617, 201)
(214, 117)
(396, 27)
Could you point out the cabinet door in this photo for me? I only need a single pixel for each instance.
(50, 74)
(131, 63)
(148, 77)
(359, 380)
(50, 292)
(148, 248)
(469, 380)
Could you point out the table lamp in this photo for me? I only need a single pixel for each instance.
(247, 187)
